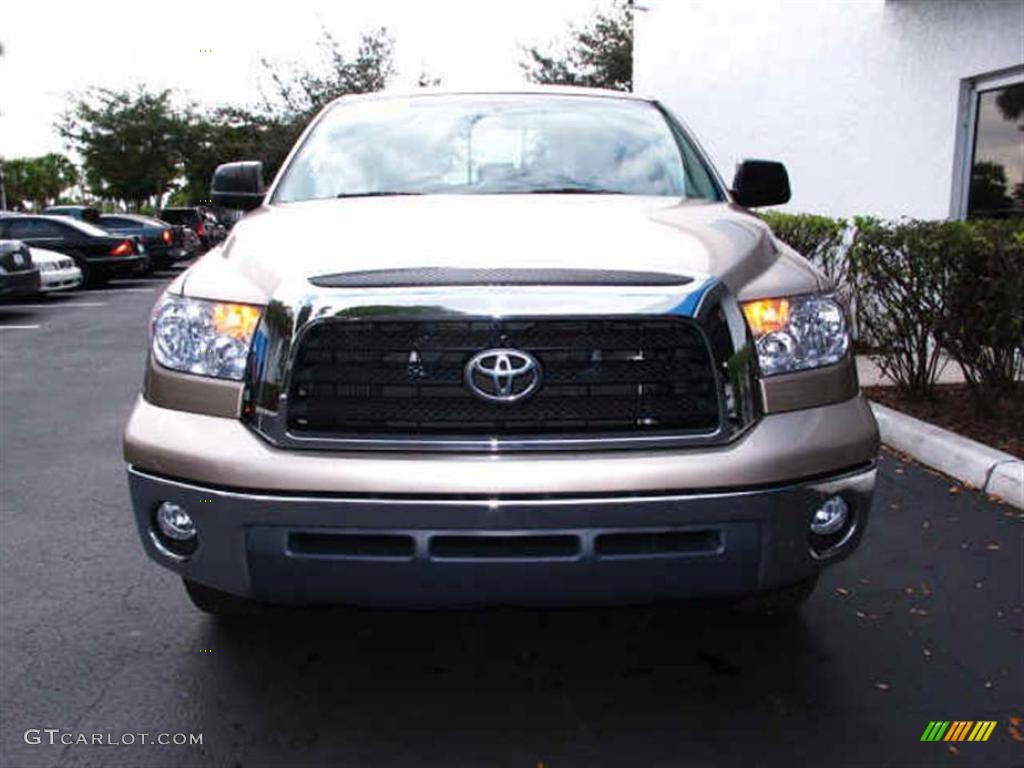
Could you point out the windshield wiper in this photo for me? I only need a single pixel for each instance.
(376, 194)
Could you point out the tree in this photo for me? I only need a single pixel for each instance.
(227, 134)
(136, 146)
(988, 188)
(1011, 102)
(131, 142)
(37, 181)
(298, 93)
(599, 56)
(267, 131)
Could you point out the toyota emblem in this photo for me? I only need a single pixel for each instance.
(503, 375)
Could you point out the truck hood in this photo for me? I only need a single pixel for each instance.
(284, 243)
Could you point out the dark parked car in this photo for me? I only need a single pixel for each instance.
(80, 212)
(200, 221)
(18, 275)
(99, 254)
(165, 243)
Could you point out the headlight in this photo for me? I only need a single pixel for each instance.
(797, 333)
(208, 338)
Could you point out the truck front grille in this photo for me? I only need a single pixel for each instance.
(599, 376)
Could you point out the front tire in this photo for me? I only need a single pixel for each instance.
(218, 603)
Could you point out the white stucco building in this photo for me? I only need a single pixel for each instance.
(879, 107)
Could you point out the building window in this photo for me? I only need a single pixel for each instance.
(994, 151)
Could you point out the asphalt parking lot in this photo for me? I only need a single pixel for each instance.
(925, 622)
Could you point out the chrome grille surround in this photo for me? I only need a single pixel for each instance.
(299, 307)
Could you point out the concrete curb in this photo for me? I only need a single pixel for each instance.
(985, 468)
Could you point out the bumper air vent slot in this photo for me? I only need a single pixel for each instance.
(351, 545)
(640, 544)
(483, 547)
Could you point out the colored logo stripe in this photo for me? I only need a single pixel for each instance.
(935, 730)
(958, 730)
(982, 731)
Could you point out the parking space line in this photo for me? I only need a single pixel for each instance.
(118, 290)
(19, 327)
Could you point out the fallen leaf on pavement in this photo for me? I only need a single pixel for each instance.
(918, 611)
(882, 686)
(992, 547)
(842, 591)
(953, 750)
(927, 653)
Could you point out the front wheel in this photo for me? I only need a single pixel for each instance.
(218, 603)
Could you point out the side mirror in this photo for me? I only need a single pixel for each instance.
(760, 182)
(238, 185)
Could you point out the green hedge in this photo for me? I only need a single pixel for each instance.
(918, 287)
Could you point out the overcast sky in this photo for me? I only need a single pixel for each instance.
(210, 51)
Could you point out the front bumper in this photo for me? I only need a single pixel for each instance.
(470, 552)
(22, 283)
(566, 528)
(450, 552)
(60, 279)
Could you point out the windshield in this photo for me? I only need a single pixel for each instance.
(476, 144)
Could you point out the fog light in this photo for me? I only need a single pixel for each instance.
(830, 516)
(174, 522)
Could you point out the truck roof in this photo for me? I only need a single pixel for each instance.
(525, 89)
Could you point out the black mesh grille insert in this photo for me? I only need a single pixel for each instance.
(391, 378)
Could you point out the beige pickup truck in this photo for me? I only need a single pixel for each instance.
(499, 348)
